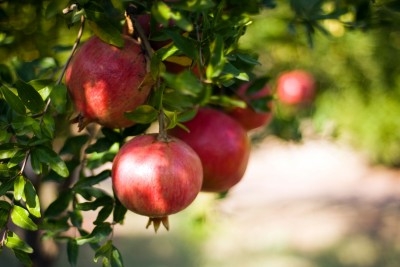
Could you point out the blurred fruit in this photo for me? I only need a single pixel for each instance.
(296, 87)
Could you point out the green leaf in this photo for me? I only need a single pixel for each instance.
(55, 7)
(59, 98)
(48, 156)
(59, 205)
(20, 217)
(186, 45)
(6, 186)
(161, 12)
(104, 213)
(119, 212)
(99, 233)
(143, 114)
(185, 82)
(13, 100)
(32, 199)
(23, 257)
(217, 60)
(76, 218)
(107, 32)
(5, 208)
(101, 145)
(110, 254)
(72, 252)
(31, 98)
(16, 243)
(102, 201)
(16, 159)
(19, 185)
(54, 226)
(92, 180)
(74, 144)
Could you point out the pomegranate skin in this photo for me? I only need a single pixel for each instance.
(156, 178)
(104, 82)
(248, 117)
(296, 87)
(222, 145)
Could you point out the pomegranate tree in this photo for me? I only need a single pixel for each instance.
(250, 117)
(156, 177)
(222, 145)
(105, 81)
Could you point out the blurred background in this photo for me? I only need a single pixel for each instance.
(322, 186)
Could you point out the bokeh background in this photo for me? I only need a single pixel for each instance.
(322, 186)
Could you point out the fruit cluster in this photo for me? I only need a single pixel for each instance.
(157, 175)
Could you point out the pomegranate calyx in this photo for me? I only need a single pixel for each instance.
(156, 222)
(81, 120)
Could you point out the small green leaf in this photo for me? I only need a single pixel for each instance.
(16, 243)
(110, 254)
(107, 32)
(92, 180)
(59, 205)
(99, 233)
(5, 208)
(72, 252)
(32, 199)
(16, 159)
(20, 217)
(119, 212)
(186, 45)
(104, 213)
(23, 257)
(19, 185)
(31, 98)
(101, 145)
(102, 201)
(143, 114)
(48, 156)
(6, 186)
(161, 12)
(76, 218)
(73, 145)
(217, 60)
(59, 98)
(13, 100)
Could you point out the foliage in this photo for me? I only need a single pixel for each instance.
(38, 146)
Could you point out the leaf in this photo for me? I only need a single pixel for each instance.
(106, 32)
(74, 144)
(60, 204)
(19, 184)
(16, 243)
(5, 208)
(119, 212)
(101, 145)
(16, 159)
(32, 199)
(20, 217)
(6, 186)
(110, 254)
(104, 213)
(59, 98)
(143, 114)
(92, 180)
(72, 252)
(23, 257)
(217, 60)
(48, 156)
(13, 100)
(101, 201)
(97, 235)
(186, 45)
(29, 96)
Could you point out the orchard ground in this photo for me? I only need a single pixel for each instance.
(299, 205)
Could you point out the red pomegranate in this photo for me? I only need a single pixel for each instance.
(249, 117)
(222, 145)
(296, 87)
(156, 178)
(105, 81)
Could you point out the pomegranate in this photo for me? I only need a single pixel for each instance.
(296, 87)
(222, 145)
(156, 178)
(104, 82)
(248, 117)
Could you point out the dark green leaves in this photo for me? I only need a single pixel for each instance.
(111, 257)
(13, 100)
(29, 96)
(143, 114)
(44, 155)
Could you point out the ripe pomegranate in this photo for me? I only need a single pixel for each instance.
(222, 145)
(104, 82)
(296, 87)
(249, 117)
(156, 178)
